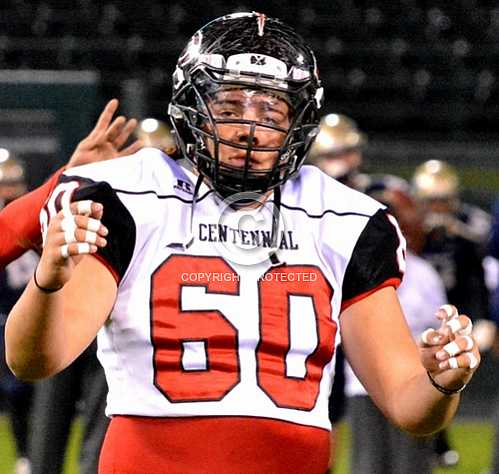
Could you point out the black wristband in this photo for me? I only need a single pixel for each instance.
(43, 289)
(444, 390)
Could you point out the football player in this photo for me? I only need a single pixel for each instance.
(13, 279)
(455, 241)
(219, 285)
(338, 150)
(494, 309)
(157, 134)
(20, 219)
(56, 399)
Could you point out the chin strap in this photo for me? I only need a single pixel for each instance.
(274, 259)
(190, 237)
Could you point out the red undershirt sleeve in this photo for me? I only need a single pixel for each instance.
(20, 223)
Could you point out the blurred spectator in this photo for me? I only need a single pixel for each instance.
(378, 447)
(13, 279)
(456, 236)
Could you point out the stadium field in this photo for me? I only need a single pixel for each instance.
(473, 439)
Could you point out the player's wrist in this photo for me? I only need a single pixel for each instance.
(44, 289)
(448, 391)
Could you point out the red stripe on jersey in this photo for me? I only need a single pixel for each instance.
(215, 445)
(395, 282)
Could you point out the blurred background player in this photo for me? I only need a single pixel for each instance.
(157, 134)
(455, 244)
(377, 446)
(12, 178)
(17, 395)
(338, 151)
(493, 251)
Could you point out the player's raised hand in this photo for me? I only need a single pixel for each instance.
(75, 231)
(107, 139)
(450, 353)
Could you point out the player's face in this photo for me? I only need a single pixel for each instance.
(341, 164)
(270, 121)
(410, 217)
(440, 205)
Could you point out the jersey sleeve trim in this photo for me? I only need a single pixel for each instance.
(378, 255)
(109, 266)
(118, 252)
(395, 282)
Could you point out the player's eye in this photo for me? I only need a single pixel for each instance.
(227, 114)
(272, 119)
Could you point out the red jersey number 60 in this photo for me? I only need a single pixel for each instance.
(196, 352)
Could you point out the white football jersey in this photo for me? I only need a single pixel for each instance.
(212, 318)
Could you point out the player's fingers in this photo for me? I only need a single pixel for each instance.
(458, 345)
(91, 224)
(77, 235)
(461, 325)
(85, 208)
(447, 312)
(77, 226)
(77, 248)
(430, 362)
(465, 360)
(125, 133)
(90, 237)
(131, 149)
(68, 227)
(115, 128)
(431, 337)
(459, 353)
(80, 241)
(105, 117)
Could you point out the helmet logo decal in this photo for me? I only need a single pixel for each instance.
(257, 63)
(260, 18)
(258, 60)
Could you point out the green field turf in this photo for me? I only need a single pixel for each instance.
(7, 449)
(473, 440)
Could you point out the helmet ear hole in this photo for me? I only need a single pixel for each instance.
(252, 52)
